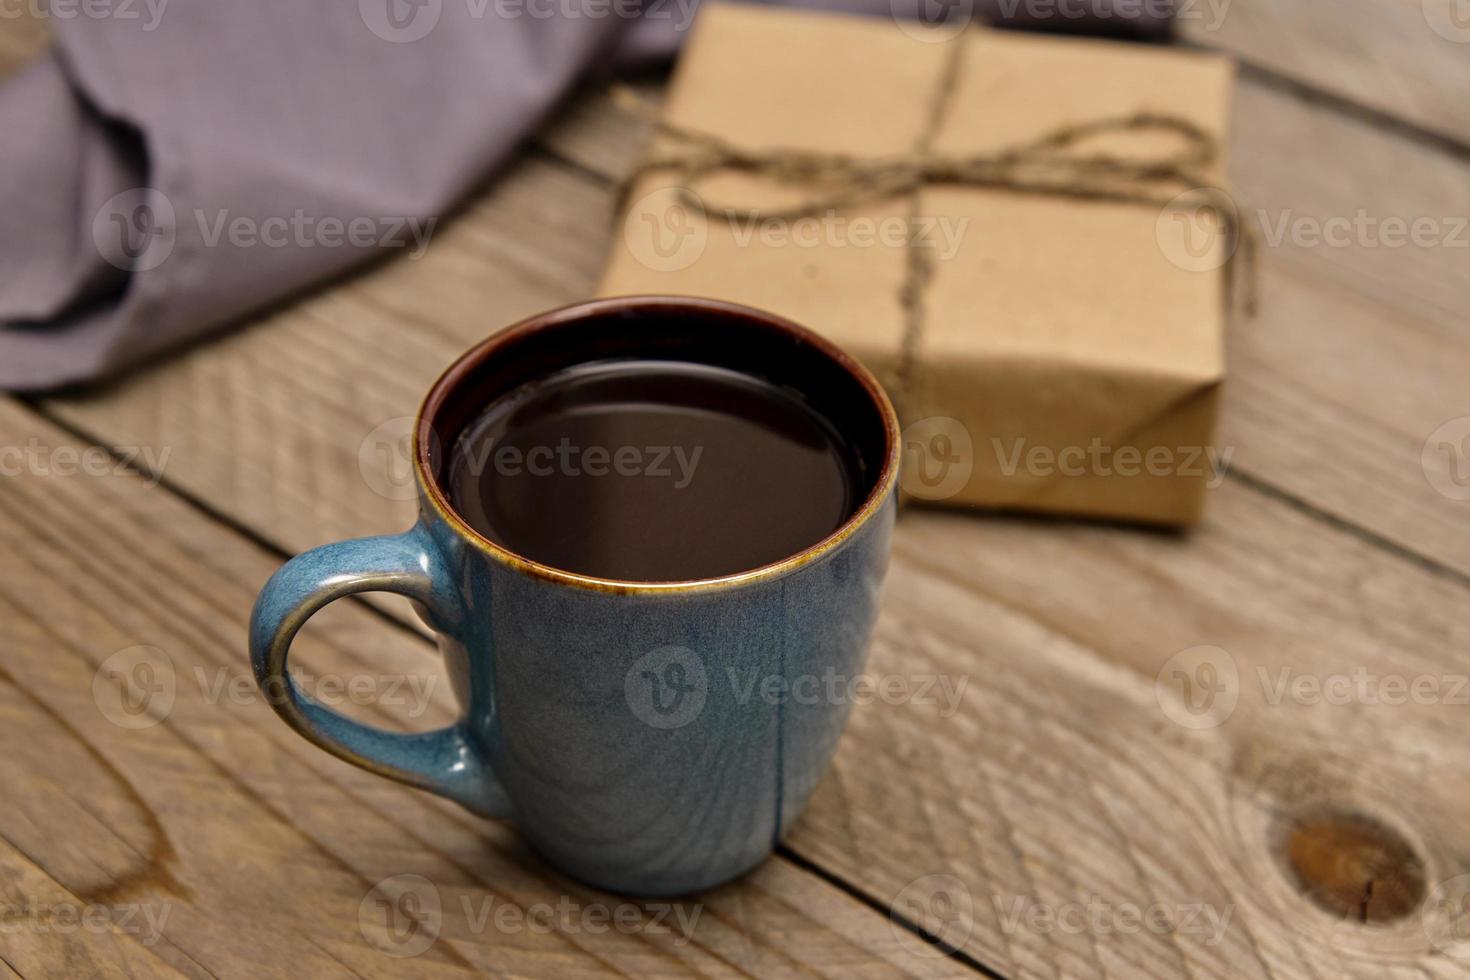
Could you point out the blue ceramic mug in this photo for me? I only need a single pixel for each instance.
(647, 737)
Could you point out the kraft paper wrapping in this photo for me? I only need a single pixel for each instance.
(1056, 353)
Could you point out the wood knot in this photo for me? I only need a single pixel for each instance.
(1354, 866)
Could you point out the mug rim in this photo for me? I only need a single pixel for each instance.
(463, 366)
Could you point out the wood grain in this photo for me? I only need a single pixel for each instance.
(1356, 355)
(1405, 59)
(1065, 778)
(1060, 780)
(256, 854)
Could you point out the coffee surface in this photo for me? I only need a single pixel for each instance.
(652, 471)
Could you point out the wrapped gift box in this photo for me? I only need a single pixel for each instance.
(952, 209)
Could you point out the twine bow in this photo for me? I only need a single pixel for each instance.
(1041, 166)
(1037, 167)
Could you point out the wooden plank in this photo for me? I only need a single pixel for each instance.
(248, 851)
(1359, 352)
(51, 931)
(1060, 781)
(1067, 780)
(1404, 58)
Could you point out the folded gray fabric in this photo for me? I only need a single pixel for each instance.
(173, 164)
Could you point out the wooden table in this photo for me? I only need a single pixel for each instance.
(1297, 835)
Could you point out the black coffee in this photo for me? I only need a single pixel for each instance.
(652, 470)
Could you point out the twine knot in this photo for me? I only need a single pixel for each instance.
(1051, 165)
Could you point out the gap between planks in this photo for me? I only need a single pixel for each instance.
(398, 619)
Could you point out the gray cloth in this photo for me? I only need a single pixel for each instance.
(175, 164)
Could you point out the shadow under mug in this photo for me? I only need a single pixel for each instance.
(651, 738)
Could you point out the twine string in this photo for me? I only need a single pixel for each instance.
(1047, 165)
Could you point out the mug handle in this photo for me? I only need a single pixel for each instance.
(447, 761)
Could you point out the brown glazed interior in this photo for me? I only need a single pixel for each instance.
(667, 328)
